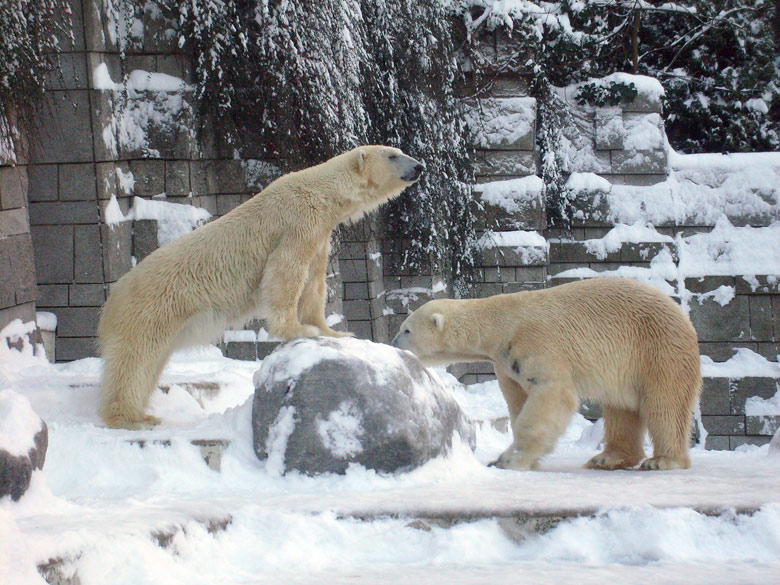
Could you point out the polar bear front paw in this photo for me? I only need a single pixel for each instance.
(612, 460)
(662, 463)
(515, 459)
(295, 332)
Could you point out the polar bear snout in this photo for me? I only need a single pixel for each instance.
(414, 173)
(409, 168)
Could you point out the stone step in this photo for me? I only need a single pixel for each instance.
(248, 350)
(587, 251)
(59, 570)
(210, 449)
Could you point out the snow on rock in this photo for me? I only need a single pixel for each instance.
(587, 183)
(757, 406)
(644, 132)
(742, 364)
(503, 122)
(46, 321)
(513, 195)
(701, 188)
(620, 234)
(729, 250)
(323, 404)
(23, 442)
(173, 219)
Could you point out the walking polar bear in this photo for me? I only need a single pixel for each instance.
(617, 341)
(266, 258)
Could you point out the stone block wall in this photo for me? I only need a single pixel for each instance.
(18, 290)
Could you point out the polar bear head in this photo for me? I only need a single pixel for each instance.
(382, 173)
(438, 333)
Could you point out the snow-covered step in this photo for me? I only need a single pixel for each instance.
(59, 570)
(211, 449)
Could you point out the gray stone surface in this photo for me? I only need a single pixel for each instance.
(716, 323)
(87, 295)
(77, 182)
(53, 295)
(53, 253)
(58, 213)
(117, 246)
(741, 389)
(724, 424)
(505, 163)
(42, 182)
(145, 238)
(77, 321)
(14, 222)
(323, 404)
(16, 470)
(149, 176)
(88, 265)
(715, 397)
(66, 135)
(68, 349)
(13, 187)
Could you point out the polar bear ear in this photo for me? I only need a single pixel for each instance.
(360, 159)
(438, 320)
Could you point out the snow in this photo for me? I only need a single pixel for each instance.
(587, 183)
(243, 335)
(341, 431)
(46, 321)
(643, 132)
(621, 234)
(19, 425)
(100, 497)
(174, 219)
(514, 239)
(137, 80)
(512, 195)
(757, 406)
(501, 122)
(742, 364)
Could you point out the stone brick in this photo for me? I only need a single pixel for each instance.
(637, 180)
(266, 348)
(715, 396)
(523, 114)
(177, 177)
(776, 317)
(527, 274)
(609, 128)
(241, 350)
(230, 176)
(352, 251)
(52, 295)
(769, 350)
(42, 182)
(70, 71)
(13, 187)
(88, 261)
(724, 424)
(14, 222)
(716, 443)
(765, 425)
(758, 285)
(735, 442)
(21, 263)
(741, 389)
(639, 162)
(361, 329)
(645, 251)
(7, 284)
(68, 349)
(707, 284)
(53, 247)
(487, 289)
(515, 287)
(716, 323)
(643, 103)
(86, 295)
(355, 291)
(357, 310)
(505, 163)
(380, 333)
(117, 247)
(106, 135)
(353, 270)
(145, 238)
(724, 351)
(227, 203)
(760, 317)
(63, 212)
(149, 176)
(77, 321)
(64, 128)
(24, 312)
(77, 182)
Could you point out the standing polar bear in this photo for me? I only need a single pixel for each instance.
(617, 341)
(267, 258)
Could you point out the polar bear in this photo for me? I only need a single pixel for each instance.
(267, 258)
(617, 341)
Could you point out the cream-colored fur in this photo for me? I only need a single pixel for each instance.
(266, 258)
(617, 341)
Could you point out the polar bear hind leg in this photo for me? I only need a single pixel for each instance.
(624, 434)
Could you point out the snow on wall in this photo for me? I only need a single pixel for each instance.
(173, 219)
(512, 195)
(500, 122)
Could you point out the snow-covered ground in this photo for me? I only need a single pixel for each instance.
(100, 498)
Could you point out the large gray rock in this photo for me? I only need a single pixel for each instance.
(23, 441)
(321, 404)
